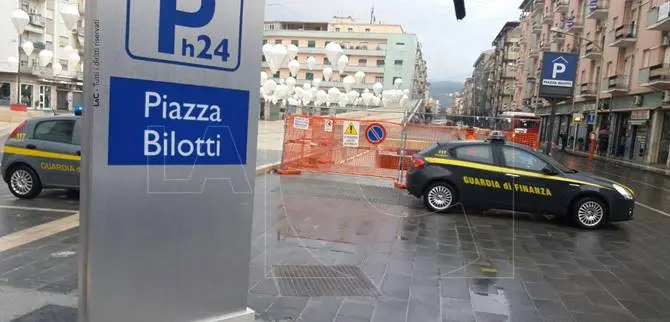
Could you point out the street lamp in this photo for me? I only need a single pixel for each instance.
(602, 61)
(20, 20)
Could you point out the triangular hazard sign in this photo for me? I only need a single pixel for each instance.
(351, 130)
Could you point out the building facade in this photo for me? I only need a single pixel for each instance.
(622, 84)
(506, 95)
(384, 52)
(40, 87)
(482, 85)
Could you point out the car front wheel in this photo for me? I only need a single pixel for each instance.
(24, 182)
(590, 212)
(439, 197)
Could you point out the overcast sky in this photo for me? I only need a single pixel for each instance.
(450, 46)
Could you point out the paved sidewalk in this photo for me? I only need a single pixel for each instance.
(630, 164)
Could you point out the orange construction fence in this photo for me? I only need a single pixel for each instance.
(371, 148)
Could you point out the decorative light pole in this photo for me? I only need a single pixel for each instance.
(20, 20)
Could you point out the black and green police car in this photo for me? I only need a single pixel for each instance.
(495, 174)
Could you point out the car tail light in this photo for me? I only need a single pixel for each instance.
(17, 130)
(418, 162)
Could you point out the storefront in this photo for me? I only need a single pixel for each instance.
(664, 142)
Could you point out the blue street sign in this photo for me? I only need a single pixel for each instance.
(159, 123)
(185, 34)
(375, 133)
(558, 74)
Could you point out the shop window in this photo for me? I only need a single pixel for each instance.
(27, 95)
(5, 93)
(44, 99)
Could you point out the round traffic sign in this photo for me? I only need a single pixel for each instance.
(375, 133)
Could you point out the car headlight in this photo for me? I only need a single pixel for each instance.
(623, 191)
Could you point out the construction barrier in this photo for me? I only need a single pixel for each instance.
(370, 148)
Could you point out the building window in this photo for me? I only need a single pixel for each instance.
(337, 29)
(367, 29)
(278, 41)
(295, 42)
(27, 95)
(379, 79)
(311, 44)
(400, 44)
(380, 62)
(326, 61)
(263, 58)
(309, 76)
(265, 41)
(63, 63)
(350, 29)
(5, 93)
(398, 62)
(396, 77)
(362, 62)
(277, 75)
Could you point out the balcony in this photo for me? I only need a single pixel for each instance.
(574, 24)
(537, 27)
(545, 46)
(586, 90)
(656, 77)
(592, 52)
(598, 9)
(623, 36)
(561, 6)
(616, 84)
(36, 20)
(548, 17)
(657, 19)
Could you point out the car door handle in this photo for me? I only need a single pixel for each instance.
(512, 175)
(31, 146)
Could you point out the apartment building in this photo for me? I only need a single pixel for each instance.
(384, 52)
(40, 87)
(623, 77)
(481, 92)
(467, 99)
(506, 95)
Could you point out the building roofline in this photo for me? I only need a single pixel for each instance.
(525, 3)
(482, 56)
(507, 26)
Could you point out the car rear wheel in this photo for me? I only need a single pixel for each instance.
(590, 213)
(439, 197)
(24, 182)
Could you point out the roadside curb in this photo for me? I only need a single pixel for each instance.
(664, 172)
(266, 168)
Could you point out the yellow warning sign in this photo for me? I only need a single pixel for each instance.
(351, 129)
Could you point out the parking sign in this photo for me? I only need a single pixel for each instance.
(169, 159)
(558, 75)
(186, 32)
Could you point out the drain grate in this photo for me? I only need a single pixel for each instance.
(323, 280)
(50, 313)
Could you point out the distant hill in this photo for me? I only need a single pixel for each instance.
(441, 90)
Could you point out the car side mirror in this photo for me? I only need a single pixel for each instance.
(549, 171)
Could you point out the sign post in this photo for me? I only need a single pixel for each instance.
(558, 78)
(168, 159)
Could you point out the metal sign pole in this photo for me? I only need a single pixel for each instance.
(550, 128)
(168, 159)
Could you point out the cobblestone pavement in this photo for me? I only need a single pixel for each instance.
(329, 248)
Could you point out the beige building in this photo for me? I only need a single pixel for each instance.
(506, 94)
(384, 52)
(41, 87)
(623, 75)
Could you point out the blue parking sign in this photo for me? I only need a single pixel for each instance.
(558, 74)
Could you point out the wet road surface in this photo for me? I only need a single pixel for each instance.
(364, 251)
